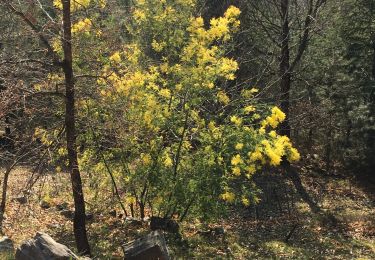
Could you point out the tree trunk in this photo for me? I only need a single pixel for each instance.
(371, 132)
(79, 224)
(284, 68)
(7, 127)
(4, 195)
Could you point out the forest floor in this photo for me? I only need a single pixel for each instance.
(282, 226)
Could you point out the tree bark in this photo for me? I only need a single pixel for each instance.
(4, 195)
(284, 68)
(371, 132)
(79, 223)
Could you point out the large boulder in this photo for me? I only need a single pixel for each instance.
(43, 247)
(6, 247)
(165, 224)
(149, 247)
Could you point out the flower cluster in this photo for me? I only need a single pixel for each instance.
(82, 26)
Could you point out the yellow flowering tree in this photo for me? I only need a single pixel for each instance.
(183, 143)
(159, 117)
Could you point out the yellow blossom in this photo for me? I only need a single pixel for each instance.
(82, 26)
(239, 146)
(236, 171)
(223, 98)
(236, 160)
(99, 33)
(273, 153)
(256, 155)
(146, 158)
(254, 90)
(236, 120)
(262, 130)
(131, 200)
(211, 125)
(245, 201)
(272, 133)
(228, 196)
(232, 12)
(249, 109)
(168, 161)
(249, 93)
(102, 3)
(228, 66)
(139, 15)
(294, 155)
(157, 46)
(251, 169)
(147, 117)
(115, 57)
(274, 119)
(279, 115)
(165, 93)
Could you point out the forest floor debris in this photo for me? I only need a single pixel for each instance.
(297, 234)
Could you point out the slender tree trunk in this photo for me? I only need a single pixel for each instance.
(4, 195)
(7, 127)
(79, 224)
(371, 132)
(284, 68)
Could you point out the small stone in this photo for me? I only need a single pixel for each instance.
(20, 199)
(89, 216)
(112, 213)
(62, 206)
(45, 204)
(218, 231)
(67, 213)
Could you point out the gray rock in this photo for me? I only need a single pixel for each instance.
(113, 213)
(165, 224)
(89, 216)
(152, 246)
(67, 213)
(62, 206)
(20, 199)
(45, 204)
(43, 247)
(6, 245)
